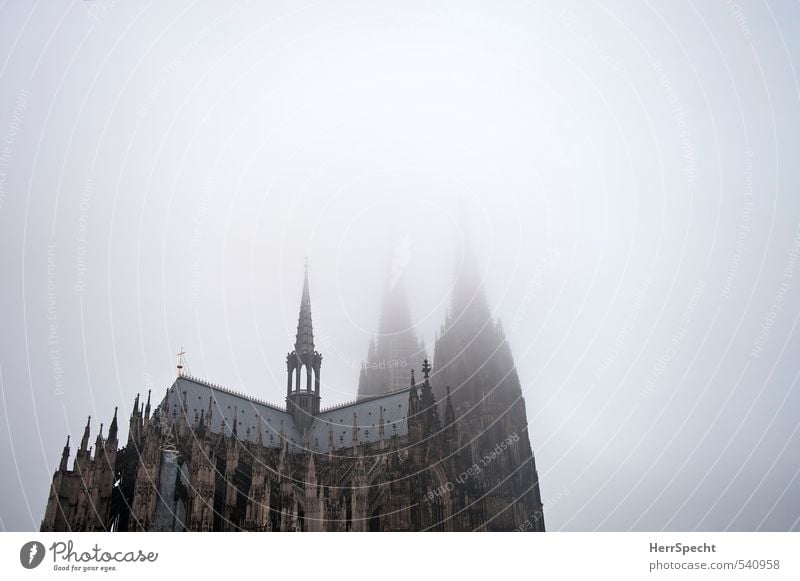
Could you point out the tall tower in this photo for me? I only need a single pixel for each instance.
(303, 402)
(397, 350)
(474, 367)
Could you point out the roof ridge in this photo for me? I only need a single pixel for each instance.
(364, 399)
(230, 391)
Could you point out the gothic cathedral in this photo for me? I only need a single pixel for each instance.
(442, 447)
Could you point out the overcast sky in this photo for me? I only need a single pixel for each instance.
(629, 174)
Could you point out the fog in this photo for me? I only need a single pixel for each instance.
(627, 175)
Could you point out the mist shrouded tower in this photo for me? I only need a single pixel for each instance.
(396, 351)
(473, 360)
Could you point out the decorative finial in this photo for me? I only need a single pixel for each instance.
(180, 361)
(426, 369)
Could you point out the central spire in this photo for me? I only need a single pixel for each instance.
(303, 403)
(304, 341)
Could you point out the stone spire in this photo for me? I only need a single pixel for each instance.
(135, 422)
(302, 395)
(113, 428)
(83, 455)
(98, 443)
(64, 456)
(413, 399)
(472, 355)
(147, 407)
(85, 439)
(304, 341)
(471, 348)
(469, 298)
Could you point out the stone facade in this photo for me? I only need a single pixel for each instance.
(421, 458)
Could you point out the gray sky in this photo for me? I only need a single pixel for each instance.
(629, 172)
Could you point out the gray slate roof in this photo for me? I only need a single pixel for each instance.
(252, 411)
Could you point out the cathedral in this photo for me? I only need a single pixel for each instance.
(441, 446)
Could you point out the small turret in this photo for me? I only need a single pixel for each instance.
(98, 443)
(112, 430)
(428, 402)
(83, 454)
(413, 399)
(259, 433)
(85, 439)
(64, 456)
(427, 392)
(135, 423)
(147, 407)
